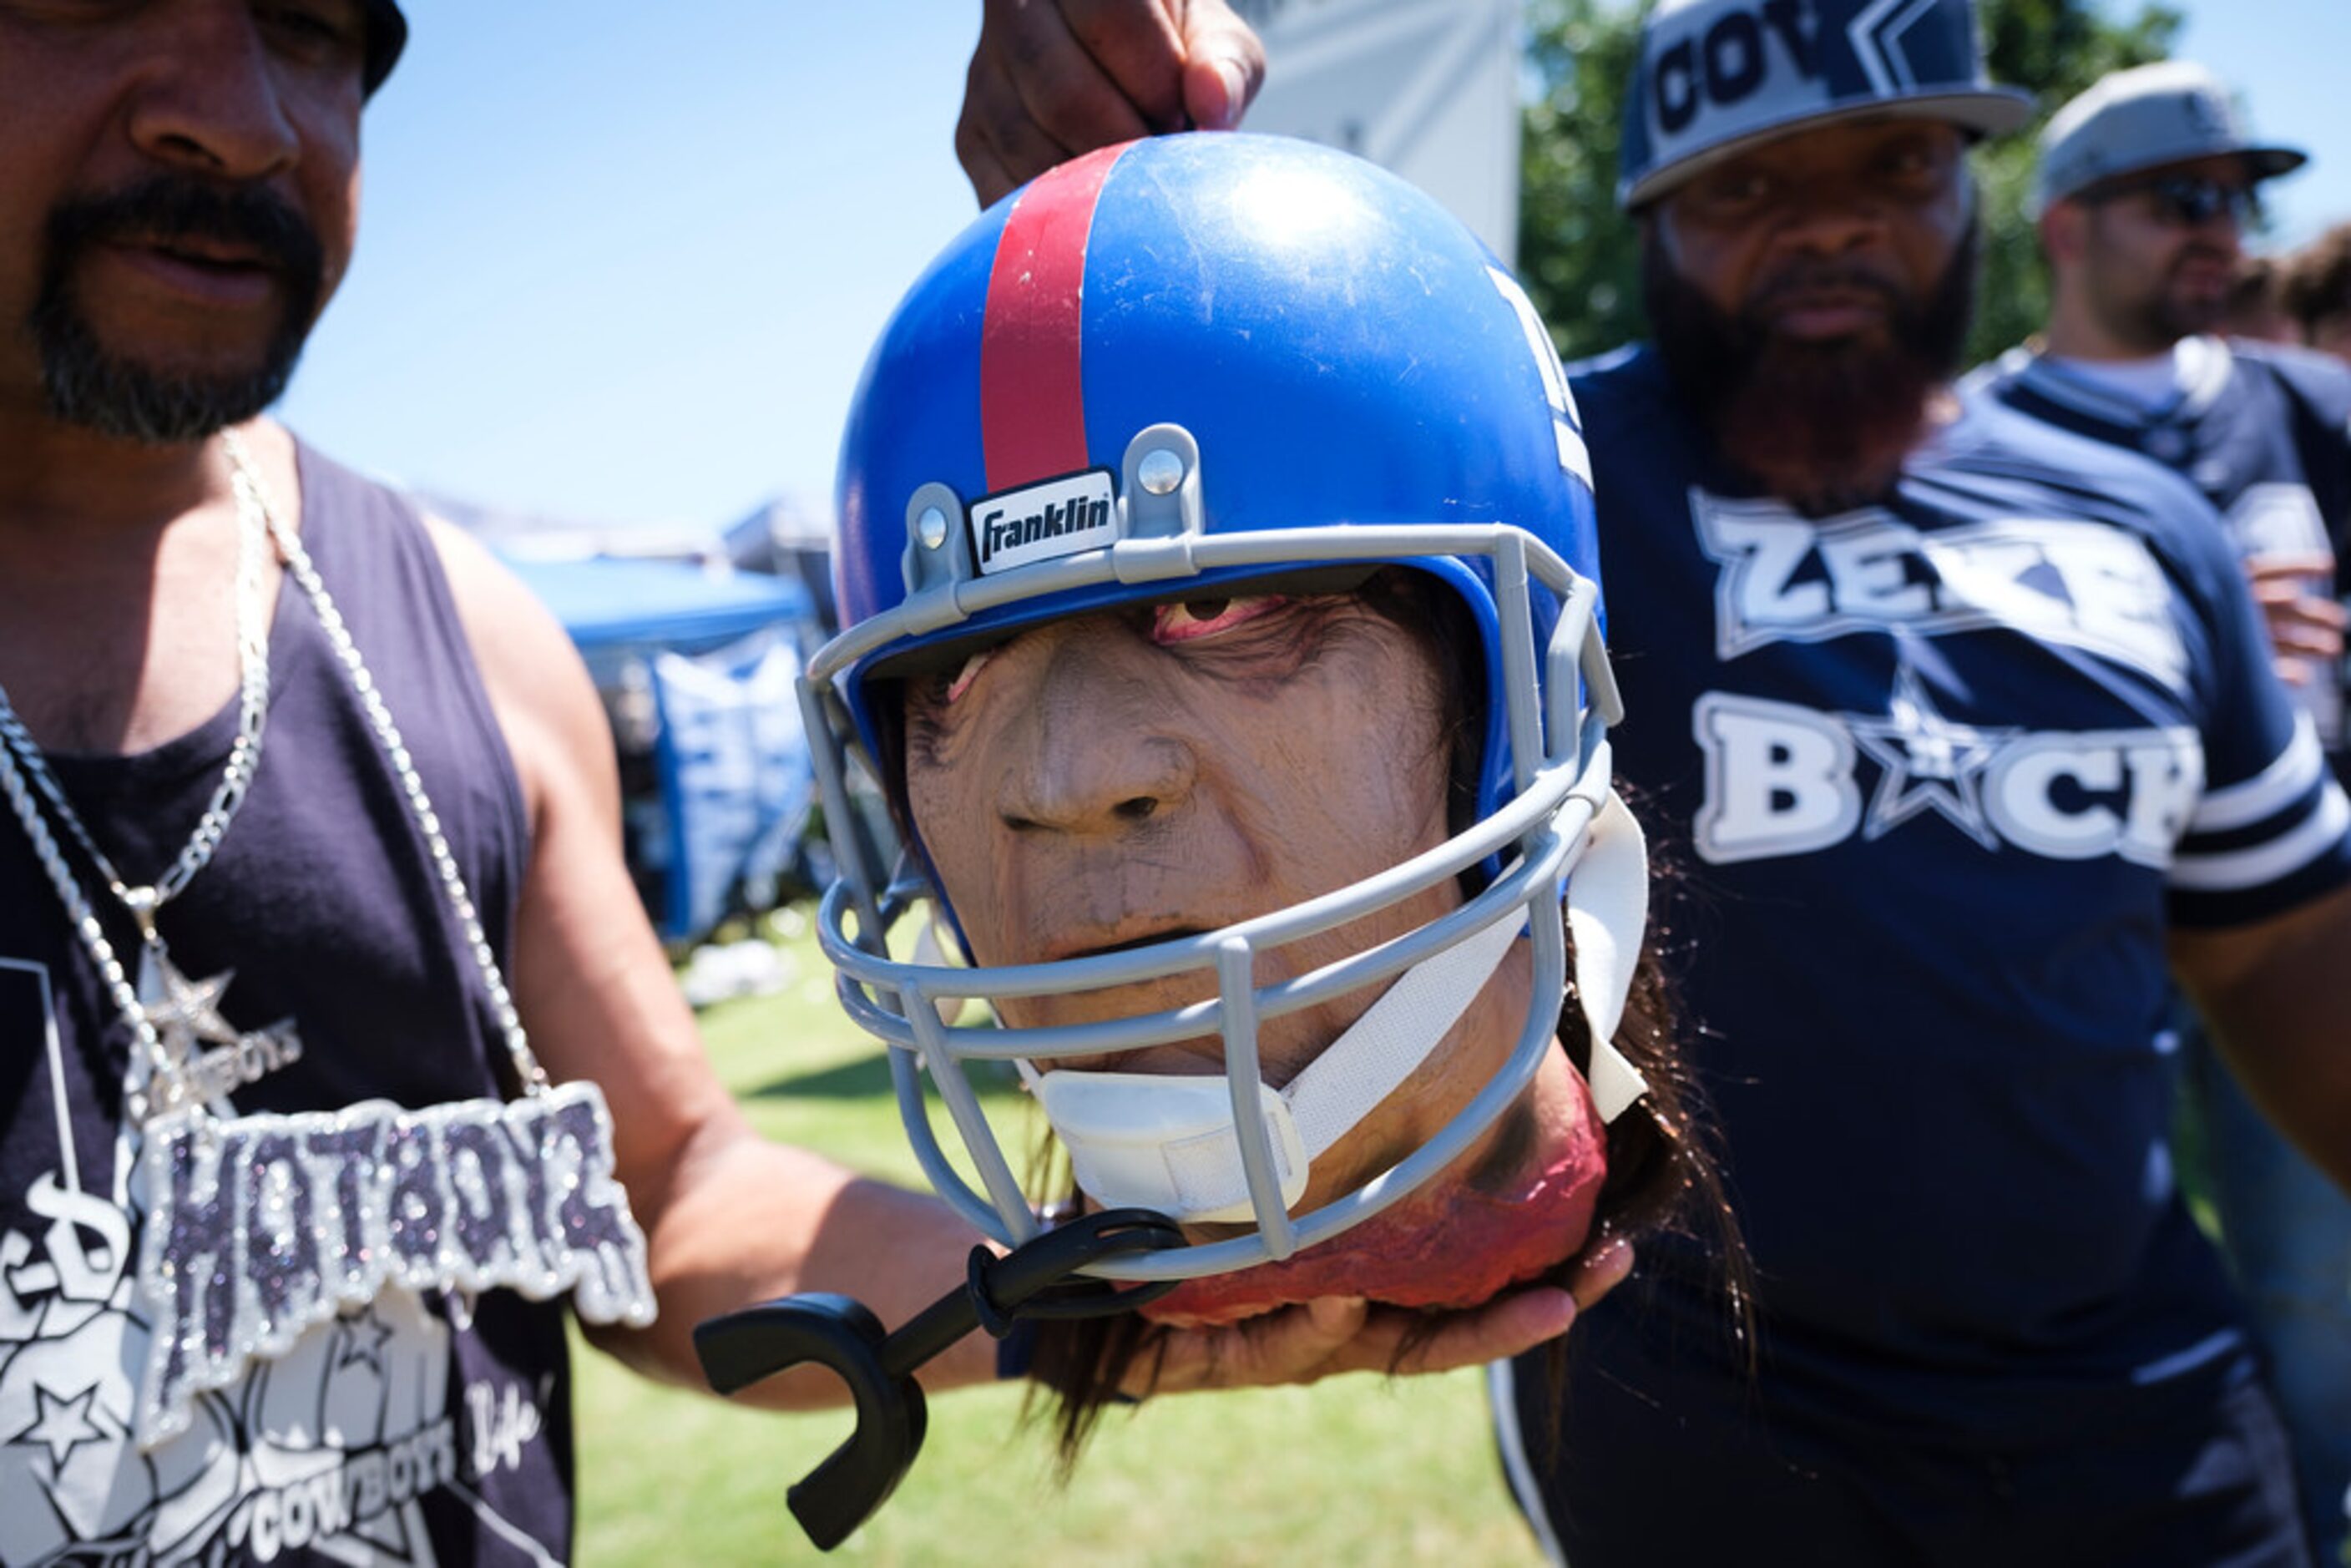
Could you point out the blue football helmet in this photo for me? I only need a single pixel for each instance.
(1184, 362)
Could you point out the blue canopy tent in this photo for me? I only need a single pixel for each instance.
(696, 669)
(617, 608)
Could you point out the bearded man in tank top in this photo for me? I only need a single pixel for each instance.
(339, 1056)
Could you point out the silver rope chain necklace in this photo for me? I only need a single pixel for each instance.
(168, 1015)
(260, 1226)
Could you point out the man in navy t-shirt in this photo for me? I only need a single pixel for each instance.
(1963, 730)
(2145, 182)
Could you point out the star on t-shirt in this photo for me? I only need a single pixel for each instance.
(63, 1424)
(363, 1334)
(1926, 762)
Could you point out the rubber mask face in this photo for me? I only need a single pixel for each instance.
(1164, 771)
(1129, 775)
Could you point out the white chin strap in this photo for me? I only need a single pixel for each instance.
(1166, 1142)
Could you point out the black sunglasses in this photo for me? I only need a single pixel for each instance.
(2187, 202)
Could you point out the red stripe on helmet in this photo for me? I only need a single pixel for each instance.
(1033, 402)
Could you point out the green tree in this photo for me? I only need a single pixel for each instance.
(1581, 257)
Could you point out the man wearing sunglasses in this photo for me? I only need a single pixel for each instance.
(2147, 184)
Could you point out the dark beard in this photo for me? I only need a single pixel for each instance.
(2153, 325)
(1824, 425)
(115, 394)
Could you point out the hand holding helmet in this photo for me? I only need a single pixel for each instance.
(1222, 633)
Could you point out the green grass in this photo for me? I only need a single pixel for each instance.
(1359, 1469)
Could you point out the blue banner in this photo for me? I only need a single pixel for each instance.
(736, 779)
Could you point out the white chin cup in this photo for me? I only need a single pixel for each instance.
(1167, 1142)
(1607, 914)
(1155, 1141)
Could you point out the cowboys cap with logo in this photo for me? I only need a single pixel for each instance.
(387, 36)
(2128, 122)
(1716, 77)
(1181, 363)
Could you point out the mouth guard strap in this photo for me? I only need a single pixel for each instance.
(1607, 912)
(1371, 1061)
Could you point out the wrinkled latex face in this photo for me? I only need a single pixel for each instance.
(1138, 774)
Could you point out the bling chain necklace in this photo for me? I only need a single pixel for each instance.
(260, 1226)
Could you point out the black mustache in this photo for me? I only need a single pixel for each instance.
(1821, 277)
(167, 207)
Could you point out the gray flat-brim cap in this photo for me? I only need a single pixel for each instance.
(2174, 111)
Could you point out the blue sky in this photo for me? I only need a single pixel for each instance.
(621, 262)
(2286, 59)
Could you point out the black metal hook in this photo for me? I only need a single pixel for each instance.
(1033, 1280)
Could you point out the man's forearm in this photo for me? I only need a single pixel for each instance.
(2278, 1001)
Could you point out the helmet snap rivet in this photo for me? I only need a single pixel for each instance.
(1160, 471)
(931, 528)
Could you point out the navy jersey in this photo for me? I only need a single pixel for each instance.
(416, 1429)
(2247, 415)
(2263, 432)
(1939, 776)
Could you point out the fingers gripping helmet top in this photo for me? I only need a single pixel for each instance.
(1192, 360)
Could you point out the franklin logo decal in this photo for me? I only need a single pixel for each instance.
(1043, 522)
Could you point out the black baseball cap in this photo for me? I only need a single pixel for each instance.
(387, 34)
